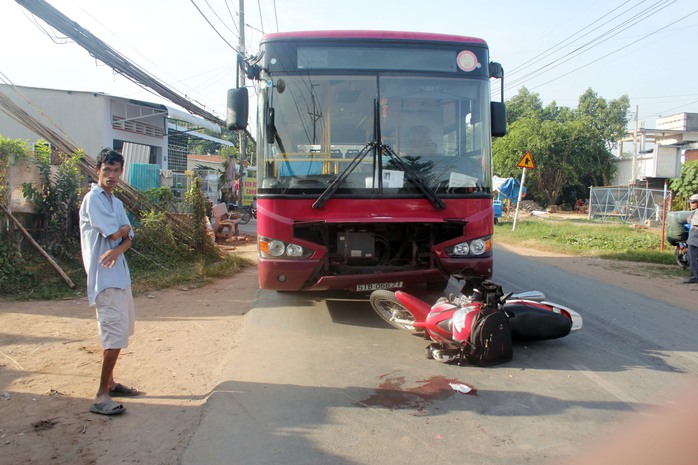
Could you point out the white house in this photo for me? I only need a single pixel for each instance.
(657, 154)
(143, 132)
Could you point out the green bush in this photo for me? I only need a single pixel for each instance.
(15, 276)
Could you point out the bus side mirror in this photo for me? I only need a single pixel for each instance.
(498, 113)
(238, 108)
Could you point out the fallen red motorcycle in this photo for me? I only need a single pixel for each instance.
(451, 322)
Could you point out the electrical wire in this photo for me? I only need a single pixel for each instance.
(107, 55)
(219, 19)
(556, 47)
(7, 81)
(617, 50)
(276, 17)
(261, 20)
(177, 79)
(211, 24)
(598, 40)
(233, 16)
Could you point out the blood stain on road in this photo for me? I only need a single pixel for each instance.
(392, 394)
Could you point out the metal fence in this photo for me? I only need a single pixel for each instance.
(629, 204)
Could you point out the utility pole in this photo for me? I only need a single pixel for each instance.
(242, 136)
(633, 176)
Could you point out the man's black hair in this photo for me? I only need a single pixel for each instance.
(109, 156)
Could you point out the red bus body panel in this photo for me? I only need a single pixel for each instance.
(276, 218)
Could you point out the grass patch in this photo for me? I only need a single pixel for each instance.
(186, 273)
(586, 238)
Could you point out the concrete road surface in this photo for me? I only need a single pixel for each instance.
(318, 378)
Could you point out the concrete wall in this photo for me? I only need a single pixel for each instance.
(679, 122)
(668, 164)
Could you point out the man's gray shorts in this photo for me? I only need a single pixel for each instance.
(116, 316)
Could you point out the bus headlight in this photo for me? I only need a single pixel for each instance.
(274, 248)
(478, 247)
(470, 248)
(294, 250)
(461, 249)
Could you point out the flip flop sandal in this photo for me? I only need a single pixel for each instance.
(122, 391)
(107, 408)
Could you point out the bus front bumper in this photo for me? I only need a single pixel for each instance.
(295, 275)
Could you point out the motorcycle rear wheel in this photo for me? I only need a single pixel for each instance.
(389, 308)
(245, 217)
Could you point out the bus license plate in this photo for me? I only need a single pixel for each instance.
(376, 286)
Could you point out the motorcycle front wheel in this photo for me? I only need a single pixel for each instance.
(389, 308)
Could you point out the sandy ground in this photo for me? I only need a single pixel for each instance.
(50, 360)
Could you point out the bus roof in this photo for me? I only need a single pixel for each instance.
(382, 35)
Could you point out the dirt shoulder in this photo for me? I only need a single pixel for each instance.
(50, 359)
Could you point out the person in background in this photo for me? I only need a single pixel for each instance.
(105, 235)
(693, 240)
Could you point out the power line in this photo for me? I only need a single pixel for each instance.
(210, 24)
(261, 20)
(177, 79)
(219, 19)
(598, 40)
(558, 46)
(119, 63)
(276, 17)
(232, 16)
(619, 49)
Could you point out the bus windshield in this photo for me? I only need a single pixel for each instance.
(320, 128)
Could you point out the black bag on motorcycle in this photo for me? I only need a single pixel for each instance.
(676, 232)
(489, 342)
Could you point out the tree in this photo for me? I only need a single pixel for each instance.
(687, 183)
(11, 152)
(57, 200)
(524, 105)
(197, 202)
(571, 148)
(608, 118)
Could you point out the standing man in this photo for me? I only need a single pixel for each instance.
(693, 240)
(105, 235)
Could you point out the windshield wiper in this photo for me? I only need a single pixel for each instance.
(413, 178)
(379, 149)
(332, 188)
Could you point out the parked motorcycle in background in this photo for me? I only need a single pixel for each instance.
(677, 235)
(247, 212)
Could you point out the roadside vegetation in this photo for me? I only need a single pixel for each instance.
(171, 246)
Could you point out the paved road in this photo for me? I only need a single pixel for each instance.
(249, 228)
(317, 378)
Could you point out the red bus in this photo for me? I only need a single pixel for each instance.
(373, 158)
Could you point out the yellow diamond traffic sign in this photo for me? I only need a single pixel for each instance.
(526, 162)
